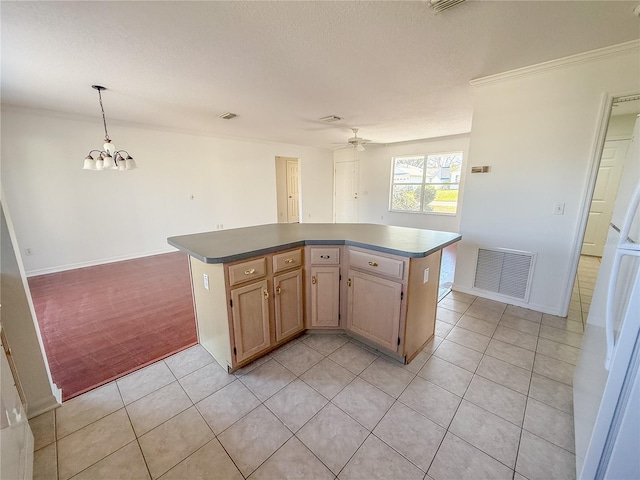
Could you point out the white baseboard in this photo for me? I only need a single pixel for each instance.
(93, 263)
(46, 404)
(509, 300)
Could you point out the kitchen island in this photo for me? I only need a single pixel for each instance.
(256, 288)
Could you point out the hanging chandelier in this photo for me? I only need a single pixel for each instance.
(109, 158)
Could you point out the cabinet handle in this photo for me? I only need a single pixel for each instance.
(266, 294)
(249, 272)
(326, 257)
(278, 290)
(349, 282)
(314, 280)
(373, 264)
(289, 260)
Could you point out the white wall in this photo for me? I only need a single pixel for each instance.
(18, 323)
(537, 130)
(71, 217)
(375, 181)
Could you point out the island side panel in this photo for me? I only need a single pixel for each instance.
(211, 310)
(422, 303)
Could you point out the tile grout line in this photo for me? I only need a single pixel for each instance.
(395, 399)
(137, 440)
(527, 401)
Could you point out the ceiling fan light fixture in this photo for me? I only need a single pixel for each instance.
(360, 147)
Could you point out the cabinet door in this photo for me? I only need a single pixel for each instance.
(288, 304)
(374, 308)
(250, 312)
(325, 296)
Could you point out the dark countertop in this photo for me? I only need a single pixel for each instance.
(223, 246)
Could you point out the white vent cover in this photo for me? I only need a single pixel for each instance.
(440, 5)
(503, 271)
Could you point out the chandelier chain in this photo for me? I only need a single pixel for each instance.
(104, 120)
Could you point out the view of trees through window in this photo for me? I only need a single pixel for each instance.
(426, 183)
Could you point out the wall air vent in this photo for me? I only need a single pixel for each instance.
(227, 115)
(503, 271)
(440, 5)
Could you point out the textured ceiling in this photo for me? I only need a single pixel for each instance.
(396, 70)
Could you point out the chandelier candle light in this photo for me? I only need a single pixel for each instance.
(109, 158)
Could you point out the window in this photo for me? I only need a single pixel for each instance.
(426, 183)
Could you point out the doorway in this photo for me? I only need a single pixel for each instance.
(288, 189)
(619, 123)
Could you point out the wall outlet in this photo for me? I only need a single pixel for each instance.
(558, 209)
(219, 226)
(426, 275)
(205, 278)
(28, 252)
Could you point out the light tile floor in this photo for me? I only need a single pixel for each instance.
(583, 288)
(489, 397)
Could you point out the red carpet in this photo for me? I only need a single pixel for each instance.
(99, 323)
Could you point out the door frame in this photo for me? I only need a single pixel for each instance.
(606, 107)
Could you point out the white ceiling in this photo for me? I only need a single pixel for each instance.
(395, 69)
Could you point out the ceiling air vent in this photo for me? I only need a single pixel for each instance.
(331, 118)
(227, 115)
(440, 5)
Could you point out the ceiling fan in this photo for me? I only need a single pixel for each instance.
(356, 141)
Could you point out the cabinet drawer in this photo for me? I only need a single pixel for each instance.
(247, 271)
(376, 264)
(325, 256)
(287, 260)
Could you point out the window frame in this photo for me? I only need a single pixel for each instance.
(424, 184)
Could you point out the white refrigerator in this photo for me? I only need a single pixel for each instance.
(606, 383)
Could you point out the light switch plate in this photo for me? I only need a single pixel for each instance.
(426, 275)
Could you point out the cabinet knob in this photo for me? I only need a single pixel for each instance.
(278, 290)
(326, 257)
(349, 282)
(314, 280)
(373, 264)
(250, 271)
(289, 260)
(266, 294)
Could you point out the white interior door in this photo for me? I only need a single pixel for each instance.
(604, 196)
(346, 192)
(293, 195)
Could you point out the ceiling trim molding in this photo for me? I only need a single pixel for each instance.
(612, 51)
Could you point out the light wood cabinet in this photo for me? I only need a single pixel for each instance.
(288, 302)
(246, 308)
(392, 300)
(250, 318)
(325, 296)
(374, 308)
(323, 287)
